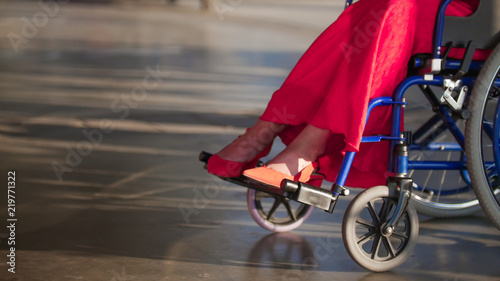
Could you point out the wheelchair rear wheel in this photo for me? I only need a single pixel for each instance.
(482, 137)
(276, 213)
(441, 193)
(362, 233)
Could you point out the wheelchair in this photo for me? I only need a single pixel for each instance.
(459, 141)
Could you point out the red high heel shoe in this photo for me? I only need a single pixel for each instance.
(271, 177)
(232, 169)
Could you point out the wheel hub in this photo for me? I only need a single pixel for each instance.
(384, 230)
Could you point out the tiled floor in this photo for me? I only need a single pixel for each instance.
(103, 111)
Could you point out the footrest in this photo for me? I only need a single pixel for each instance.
(310, 195)
(204, 156)
(297, 191)
(258, 186)
(245, 182)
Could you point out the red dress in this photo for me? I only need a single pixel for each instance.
(361, 56)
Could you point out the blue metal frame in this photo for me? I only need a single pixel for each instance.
(436, 165)
(397, 103)
(397, 109)
(345, 168)
(349, 155)
(439, 28)
(450, 64)
(438, 146)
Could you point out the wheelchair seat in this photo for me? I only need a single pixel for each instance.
(483, 27)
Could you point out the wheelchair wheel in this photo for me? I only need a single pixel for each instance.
(362, 230)
(276, 213)
(441, 193)
(482, 138)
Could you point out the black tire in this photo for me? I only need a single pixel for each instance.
(478, 145)
(276, 213)
(362, 236)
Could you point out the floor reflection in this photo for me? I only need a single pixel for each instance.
(384, 276)
(282, 250)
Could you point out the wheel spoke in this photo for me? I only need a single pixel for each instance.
(400, 235)
(366, 223)
(426, 183)
(373, 213)
(389, 247)
(385, 208)
(273, 208)
(495, 183)
(365, 238)
(375, 247)
(291, 213)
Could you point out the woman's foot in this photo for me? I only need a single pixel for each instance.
(244, 152)
(306, 148)
(274, 178)
(250, 144)
(296, 161)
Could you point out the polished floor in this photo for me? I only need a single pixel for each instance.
(103, 111)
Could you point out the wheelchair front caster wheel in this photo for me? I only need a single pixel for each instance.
(364, 235)
(276, 213)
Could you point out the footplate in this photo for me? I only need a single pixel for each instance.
(245, 182)
(297, 191)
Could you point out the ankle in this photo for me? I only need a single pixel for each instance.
(237, 151)
(245, 148)
(265, 132)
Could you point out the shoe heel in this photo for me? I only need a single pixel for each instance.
(306, 173)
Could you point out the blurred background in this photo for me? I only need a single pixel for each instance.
(104, 107)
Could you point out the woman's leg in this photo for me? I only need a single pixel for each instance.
(255, 140)
(309, 145)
